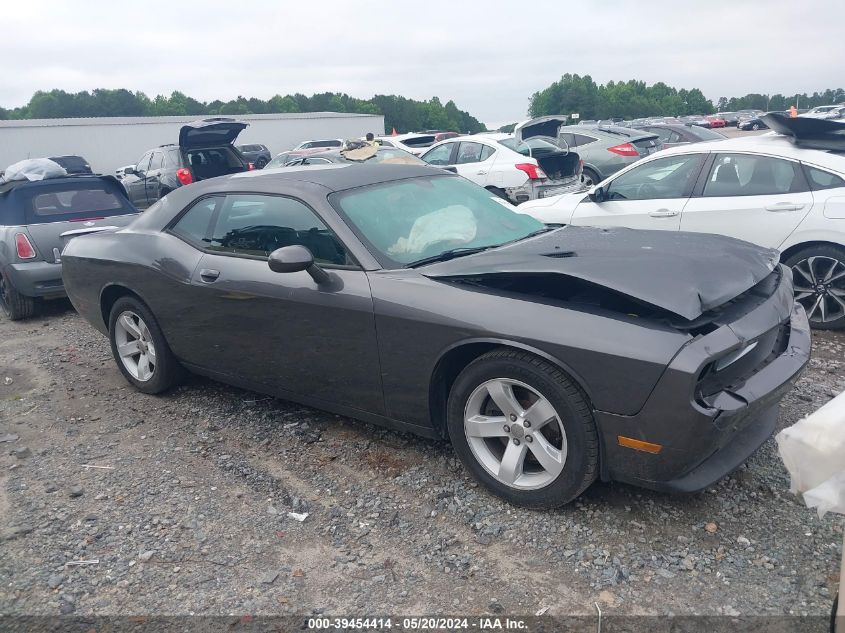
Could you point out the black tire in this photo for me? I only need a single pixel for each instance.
(799, 261)
(589, 177)
(260, 163)
(13, 304)
(581, 464)
(167, 371)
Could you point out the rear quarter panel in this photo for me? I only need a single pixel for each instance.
(155, 266)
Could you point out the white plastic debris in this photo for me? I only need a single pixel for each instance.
(297, 516)
(813, 451)
(33, 169)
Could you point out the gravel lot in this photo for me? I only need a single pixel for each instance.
(188, 510)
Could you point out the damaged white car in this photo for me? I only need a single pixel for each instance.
(529, 164)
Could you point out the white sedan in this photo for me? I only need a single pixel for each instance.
(761, 189)
(513, 169)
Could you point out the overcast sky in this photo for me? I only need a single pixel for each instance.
(487, 56)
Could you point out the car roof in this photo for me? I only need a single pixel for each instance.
(70, 178)
(332, 176)
(771, 143)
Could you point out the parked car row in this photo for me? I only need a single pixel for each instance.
(547, 352)
(412, 298)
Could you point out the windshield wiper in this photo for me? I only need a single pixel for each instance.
(469, 250)
(450, 254)
(532, 234)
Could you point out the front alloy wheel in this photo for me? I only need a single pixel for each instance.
(523, 428)
(819, 283)
(515, 434)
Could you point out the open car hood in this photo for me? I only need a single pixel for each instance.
(684, 273)
(547, 127)
(210, 132)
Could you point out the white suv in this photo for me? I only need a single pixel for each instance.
(762, 189)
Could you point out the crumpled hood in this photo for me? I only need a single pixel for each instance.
(684, 273)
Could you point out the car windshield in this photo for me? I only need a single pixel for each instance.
(278, 161)
(531, 146)
(405, 221)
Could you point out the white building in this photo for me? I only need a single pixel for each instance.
(111, 142)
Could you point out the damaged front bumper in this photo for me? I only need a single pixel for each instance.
(705, 436)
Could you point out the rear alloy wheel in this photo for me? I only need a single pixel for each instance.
(14, 305)
(589, 178)
(523, 428)
(818, 277)
(260, 163)
(755, 127)
(139, 348)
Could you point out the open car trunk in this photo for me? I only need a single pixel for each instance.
(210, 162)
(208, 147)
(559, 166)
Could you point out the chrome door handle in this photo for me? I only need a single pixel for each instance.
(208, 275)
(663, 213)
(481, 173)
(785, 206)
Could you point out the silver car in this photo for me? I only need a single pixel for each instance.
(604, 150)
(37, 219)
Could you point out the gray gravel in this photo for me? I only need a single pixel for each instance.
(117, 502)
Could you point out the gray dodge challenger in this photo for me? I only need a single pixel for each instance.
(409, 297)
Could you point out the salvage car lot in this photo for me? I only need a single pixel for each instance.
(189, 510)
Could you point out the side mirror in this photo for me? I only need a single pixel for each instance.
(596, 194)
(128, 171)
(293, 259)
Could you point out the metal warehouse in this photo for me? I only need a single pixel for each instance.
(111, 142)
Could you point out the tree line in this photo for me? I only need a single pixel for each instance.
(571, 94)
(634, 99)
(405, 115)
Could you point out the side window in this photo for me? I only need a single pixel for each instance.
(315, 161)
(583, 139)
(820, 179)
(440, 155)
(751, 175)
(486, 152)
(157, 161)
(568, 138)
(469, 153)
(173, 158)
(144, 163)
(193, 226)
(250, 224)
(670, 177)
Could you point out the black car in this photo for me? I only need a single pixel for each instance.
(205, 150)
(73, 164)
(678, 134)
(410, 297)
(256, 154)
(752, 123)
